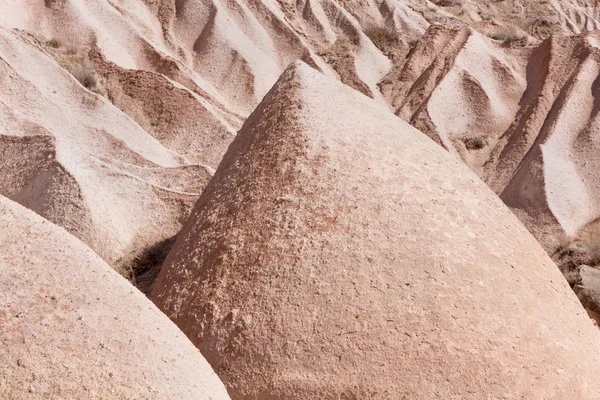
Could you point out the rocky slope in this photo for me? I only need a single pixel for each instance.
(334, 237)
(523, 118)
(190, 72)
(75, 159)
(114, 115)
(70, 327)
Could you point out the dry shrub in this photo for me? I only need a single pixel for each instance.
(382, 37)
(583, 248)
(83, 74)
(73, 49)
(563, 242)
(475, 143)
(505, 34)
(74, 58)
(447, 3)
(104, 245)
(590, 241)
(87, 76)
(54, 43)
(145, 263)
(544, 26)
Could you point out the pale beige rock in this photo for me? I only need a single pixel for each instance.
(525, 119)
(339, 253)
(231, 52)
(545, 162)
(185, 74)
(460, 88)
(228, 52)
(78, 161)
(71, 328)
(93, 170)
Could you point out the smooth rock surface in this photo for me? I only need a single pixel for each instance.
(72, 328)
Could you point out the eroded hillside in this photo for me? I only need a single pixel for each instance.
(188, 73)
(175, 133)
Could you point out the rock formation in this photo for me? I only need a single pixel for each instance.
(481, 84)
(70, 327)
(339, 253)
(525, 119)
(75, 159)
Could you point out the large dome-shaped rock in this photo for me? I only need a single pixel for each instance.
(339, 253)
(71, 328)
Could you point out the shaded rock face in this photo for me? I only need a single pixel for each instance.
(339, 253)
(70, 327)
